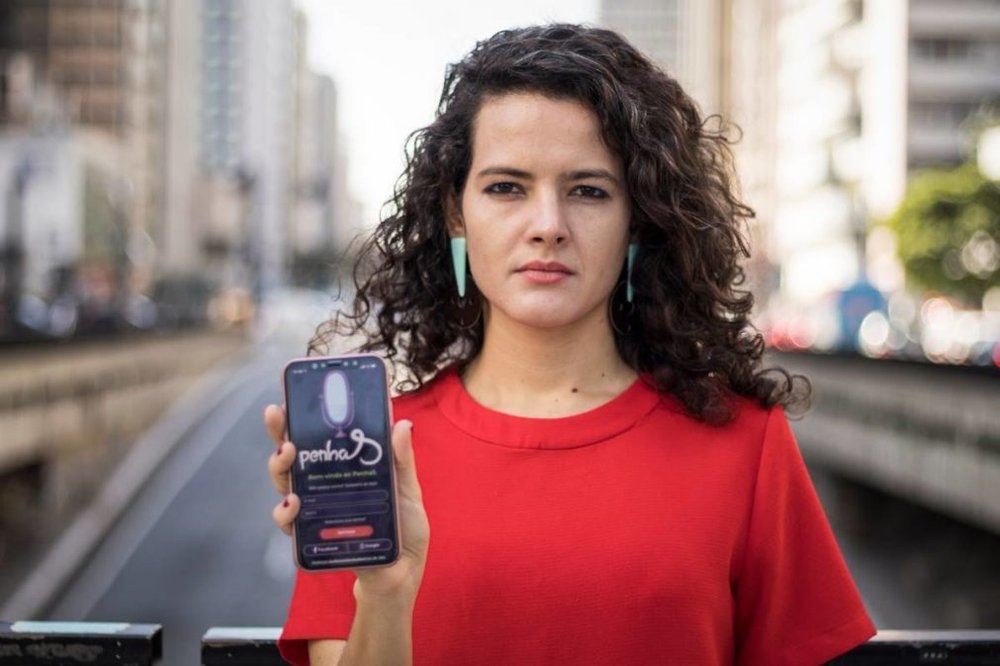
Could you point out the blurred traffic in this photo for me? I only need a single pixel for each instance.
(933, 327)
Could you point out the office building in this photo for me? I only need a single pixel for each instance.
(685, 37)
(247, 116)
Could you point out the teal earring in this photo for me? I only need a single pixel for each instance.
(458, 254)
(633, 249)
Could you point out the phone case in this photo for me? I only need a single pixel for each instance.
(342, 546)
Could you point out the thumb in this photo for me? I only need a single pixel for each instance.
(406, 468)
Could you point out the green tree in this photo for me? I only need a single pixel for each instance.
(948, 232)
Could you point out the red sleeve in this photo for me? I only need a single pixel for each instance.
(322, 606)
(796, 602)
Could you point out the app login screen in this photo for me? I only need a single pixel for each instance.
(342, 473)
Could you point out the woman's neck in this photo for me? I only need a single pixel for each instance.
(546, 373)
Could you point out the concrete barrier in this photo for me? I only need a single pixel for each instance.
(924, 433)
(65, 411)
(222, 646)
(98, 644)
(30, 643)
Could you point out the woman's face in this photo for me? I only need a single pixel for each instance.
(545, 212)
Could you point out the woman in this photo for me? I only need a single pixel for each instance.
(608, 474)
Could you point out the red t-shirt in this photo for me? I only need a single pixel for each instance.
(629, 534)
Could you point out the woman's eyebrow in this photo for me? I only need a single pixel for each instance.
(584, 174)
(581, 174)
(505, 171)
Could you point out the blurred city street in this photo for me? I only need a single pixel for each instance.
(195, 546)
(184, 185)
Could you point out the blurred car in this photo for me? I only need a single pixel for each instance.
(182, 300)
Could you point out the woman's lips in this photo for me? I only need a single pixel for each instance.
(542, 272)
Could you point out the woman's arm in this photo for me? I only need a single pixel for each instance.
(326, 652)
(381, 634)
(382, 629)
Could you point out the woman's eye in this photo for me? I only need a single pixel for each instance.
(502, 188)
(590, 192)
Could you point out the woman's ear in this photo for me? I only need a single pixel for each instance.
(453, 215)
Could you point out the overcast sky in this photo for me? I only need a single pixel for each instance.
(388, 61)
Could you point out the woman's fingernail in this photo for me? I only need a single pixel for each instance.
(285, 503)
(280, 446)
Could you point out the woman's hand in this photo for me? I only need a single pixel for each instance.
(278, 465)
(394, 584)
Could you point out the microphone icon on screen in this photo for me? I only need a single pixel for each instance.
(338, 401)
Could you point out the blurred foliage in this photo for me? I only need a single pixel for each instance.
(948, 232)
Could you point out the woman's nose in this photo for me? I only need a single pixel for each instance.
(548, 219)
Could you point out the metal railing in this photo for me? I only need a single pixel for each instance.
(222, 646)
(96, 643)
(31, 643)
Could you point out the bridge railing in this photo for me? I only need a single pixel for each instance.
(100, 644)
(228, 646)
(96, 643)
(927, 434)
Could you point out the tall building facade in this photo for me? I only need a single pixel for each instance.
(865, 93)
(839, 101)
(315, 155)
(181, 246)
(247, 118)
(954, 66)
(653, 26)
(321, 202)
(819, 216)
(685, 37)
(198, 142)
(88, 76)
(940, 62)
(106, 58)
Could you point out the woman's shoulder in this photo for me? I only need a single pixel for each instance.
(764, 430)
(748, 412)
(744, 413)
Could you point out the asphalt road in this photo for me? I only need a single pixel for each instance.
(197, 548)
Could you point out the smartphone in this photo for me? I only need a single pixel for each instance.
(339, 417)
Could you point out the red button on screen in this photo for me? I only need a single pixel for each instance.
(355, 532)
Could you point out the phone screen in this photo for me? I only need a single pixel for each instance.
(338, 418)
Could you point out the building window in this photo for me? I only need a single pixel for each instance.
(940, 114)
(945, 49)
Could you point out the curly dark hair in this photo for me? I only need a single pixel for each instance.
(689, 329)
